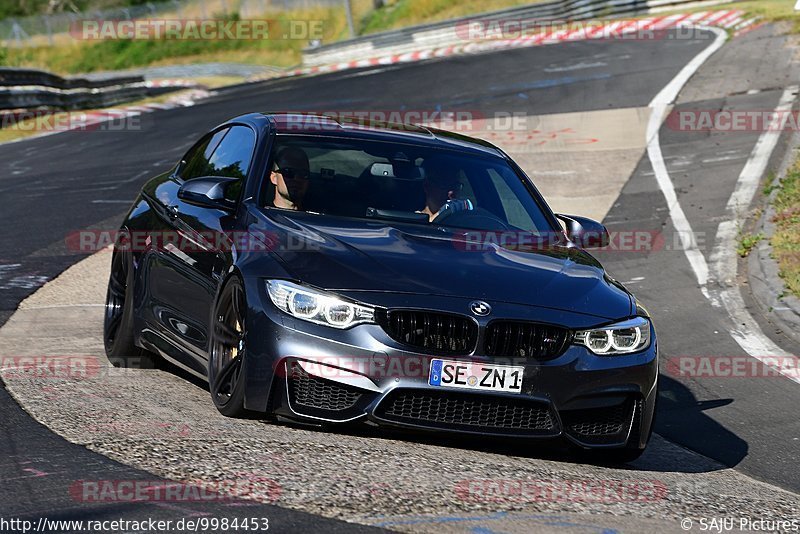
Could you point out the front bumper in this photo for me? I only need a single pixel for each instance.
(316, 374)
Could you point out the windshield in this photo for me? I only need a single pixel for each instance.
(409, 183)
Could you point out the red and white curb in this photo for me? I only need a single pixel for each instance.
(733, 20)
(178, 101)
(81, 120)
(171, 83)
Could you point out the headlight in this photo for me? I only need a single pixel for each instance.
(317, 306)
(626, 337)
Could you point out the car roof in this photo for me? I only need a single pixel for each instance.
(298, 123)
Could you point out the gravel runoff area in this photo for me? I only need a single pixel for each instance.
(163, 423)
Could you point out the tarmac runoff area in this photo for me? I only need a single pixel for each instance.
(164, 424)
(579, 161)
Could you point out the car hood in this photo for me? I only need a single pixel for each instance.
(363, 255)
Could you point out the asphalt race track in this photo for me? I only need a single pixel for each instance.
(732, 439)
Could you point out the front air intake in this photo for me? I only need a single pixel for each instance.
(435, 332)
(516, 339)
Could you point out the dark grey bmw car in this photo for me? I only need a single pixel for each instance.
(338, 272)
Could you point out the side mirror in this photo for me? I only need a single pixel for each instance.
(179, 168)
(208, 192)
(584, 232)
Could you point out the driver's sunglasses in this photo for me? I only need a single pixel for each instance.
(290, 173)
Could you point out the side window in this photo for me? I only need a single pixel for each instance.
(232, 158)
(515, 212)
(197, 159)
(466, 188)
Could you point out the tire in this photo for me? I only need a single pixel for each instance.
(118, 329)
(227, 350)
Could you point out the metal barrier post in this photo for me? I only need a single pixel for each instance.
(349, 12)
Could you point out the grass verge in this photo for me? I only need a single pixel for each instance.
(402, 13)
(70, 56)
(786, 240)
(768, 10)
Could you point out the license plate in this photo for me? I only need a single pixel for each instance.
(471, 375)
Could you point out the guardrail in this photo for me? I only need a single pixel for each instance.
(27, 89)
(447, 32)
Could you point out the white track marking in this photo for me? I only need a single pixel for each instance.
(659, 105)
(721, 158)
(723, 257)
(723, 260)
(670, 92)
(747, 185)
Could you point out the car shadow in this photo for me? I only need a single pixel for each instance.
(683, 419)
(687, 440)
(169, 367)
